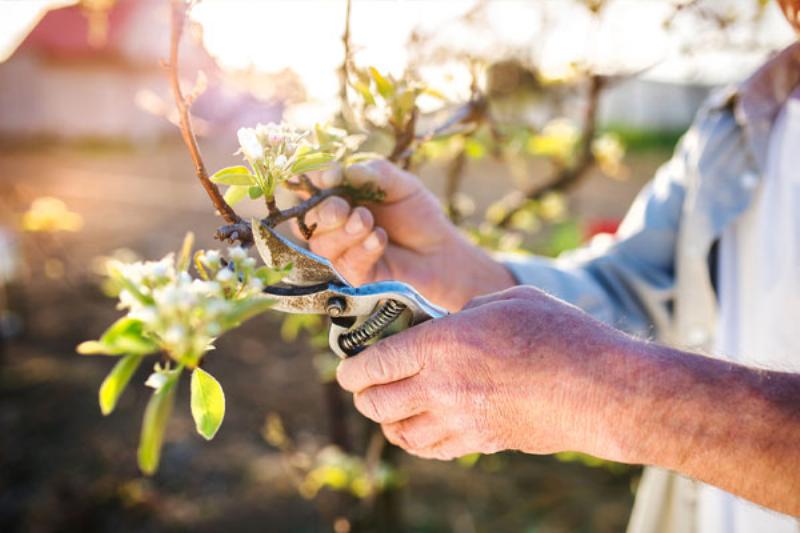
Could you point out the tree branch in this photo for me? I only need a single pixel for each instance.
(344, 69)
(237, 229)
(570, 176)
(242, 232)
(179, 11)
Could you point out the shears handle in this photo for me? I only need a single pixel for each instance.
(350, 335)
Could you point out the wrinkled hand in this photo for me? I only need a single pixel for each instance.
(407, 237)
(513, 370)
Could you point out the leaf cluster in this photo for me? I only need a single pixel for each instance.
(171, 313)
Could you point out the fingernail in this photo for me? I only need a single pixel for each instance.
(330, 178)
(329, 214)
(361, 172)
(354, 224)
(372, 242)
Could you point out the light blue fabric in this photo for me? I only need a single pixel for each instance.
(630, 281)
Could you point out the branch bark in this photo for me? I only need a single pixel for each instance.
(178, 20)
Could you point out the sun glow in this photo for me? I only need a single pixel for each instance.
(306, 37)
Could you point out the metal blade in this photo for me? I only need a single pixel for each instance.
(278, 252)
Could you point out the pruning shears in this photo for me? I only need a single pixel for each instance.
(312, 285)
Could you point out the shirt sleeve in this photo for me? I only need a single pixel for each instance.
(626, 280)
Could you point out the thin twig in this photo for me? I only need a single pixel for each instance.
(344, 69)
(570, 176)
(179, 10)
(471, 113)
(404, 137)
(242, 232)
(455, 173)
(237, 229)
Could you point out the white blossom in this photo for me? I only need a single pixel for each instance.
(210, 259)
(186, 315)
(225, 275)
(156, 380)
(255, 284)
(237, 253)
(175, 334)
(281, 161)
(146, 313)
(251, 146)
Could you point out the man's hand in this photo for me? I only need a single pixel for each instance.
(407, 237)
(511, 371)
(521, 370)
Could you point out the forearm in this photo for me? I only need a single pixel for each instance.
(733, 427)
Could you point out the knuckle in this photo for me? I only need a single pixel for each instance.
(377, 367)
(525, 292)
(395, 435)
(369, 404)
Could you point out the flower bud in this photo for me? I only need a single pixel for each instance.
(251, 147)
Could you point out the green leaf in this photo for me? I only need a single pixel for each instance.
(302, 150)
(384, 86)
(185, 255)
(311, 162)
(125, 336)
(363, 90)
(433, 93)
(254, 192)
(116, 381)
(208, 403)
(271, 276)
(361, 157)
(404, 103)
(238, 175)
(246, 309)
(128, 285)
(235, 194)
(156, 416)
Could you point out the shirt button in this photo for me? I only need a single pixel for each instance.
(749, 180)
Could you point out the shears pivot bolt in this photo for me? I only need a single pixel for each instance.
(335, 306)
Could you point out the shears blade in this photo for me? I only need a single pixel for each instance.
(278, 252)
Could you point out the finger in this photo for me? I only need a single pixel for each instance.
(357, 264)
(335, 242)
(446, 449)
(396, 184)
(325, 179)
(330, 214)
(384, 362)
(418, 432)
(393, 402)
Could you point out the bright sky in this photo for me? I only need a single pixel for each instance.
(17, 18)
(305, 35)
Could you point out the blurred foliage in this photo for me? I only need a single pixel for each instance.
(49, 214)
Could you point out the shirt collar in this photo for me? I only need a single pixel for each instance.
(757, 100)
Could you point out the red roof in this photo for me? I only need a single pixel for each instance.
(65, 32)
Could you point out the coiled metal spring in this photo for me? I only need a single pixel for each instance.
(352, 341)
